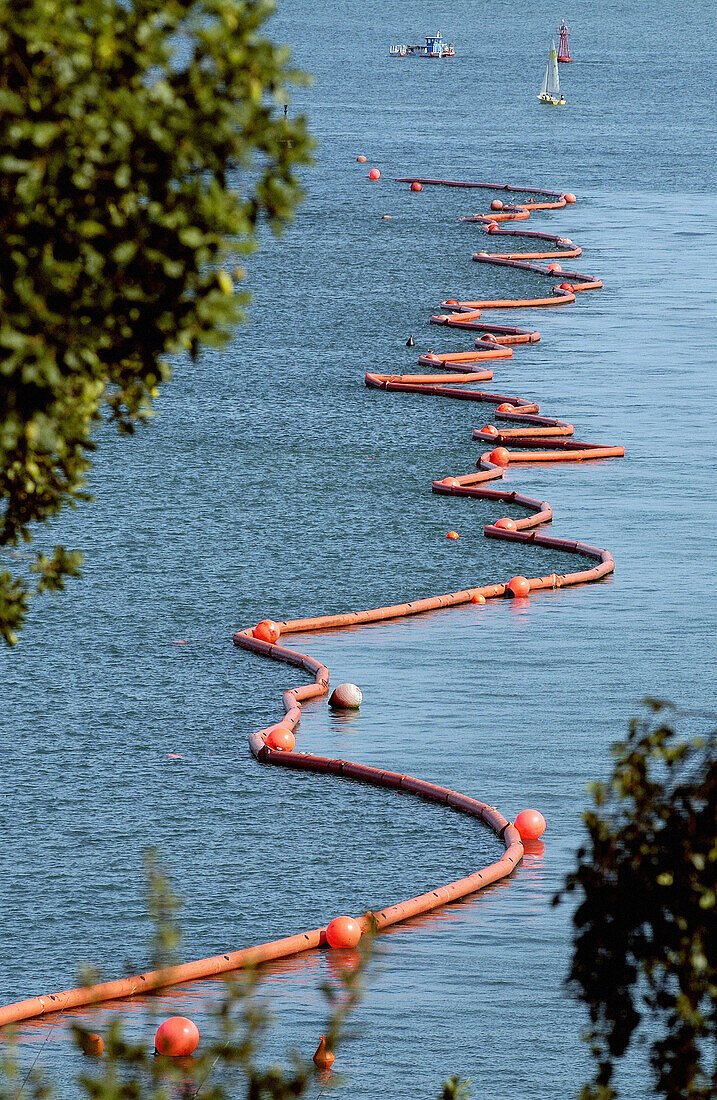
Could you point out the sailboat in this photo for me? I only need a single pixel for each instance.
(550, 88)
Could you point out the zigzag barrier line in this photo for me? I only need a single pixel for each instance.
(494, 342)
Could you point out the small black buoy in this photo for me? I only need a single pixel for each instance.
(410, 342)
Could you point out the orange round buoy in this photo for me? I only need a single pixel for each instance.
(361, 160)
(176, 1037)
(518, 587)
(569, 197)
(504, 407)
(374, 174)
(91, 1044)
(346, 697)
(452, 535)
(489, 337)
(500, 456)
(452, 481)
(281, 737)
(506, 524)
(416, 186)
(496, 205)
(478, 598)
(267, 631)
(554, 269)
(530, 824)
(343, 932)
(323, 1058)
(490, 429)
(567, 286)
(452, 302)
(494, 227)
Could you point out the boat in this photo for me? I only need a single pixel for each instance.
(434, 47)
(563, 48)
(550, 88)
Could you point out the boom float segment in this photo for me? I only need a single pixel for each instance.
(494, 343)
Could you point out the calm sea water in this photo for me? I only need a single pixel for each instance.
(272, 483)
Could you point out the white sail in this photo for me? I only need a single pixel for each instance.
(544, 86)
(550, 88)
(551, 73)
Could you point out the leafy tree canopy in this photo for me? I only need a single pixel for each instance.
(645, 943)
(140, 142)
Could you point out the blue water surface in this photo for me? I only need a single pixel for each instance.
(273, 483)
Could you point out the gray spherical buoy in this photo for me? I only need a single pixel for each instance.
(346, 697)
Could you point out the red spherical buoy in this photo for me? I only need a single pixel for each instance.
(569, 197)
(343, 932)
(496, 205)
(451, 302)
(567, 286)
(346, 697)
(506, 524)
(361, 160)
(452, 535)
(500, 456)
(91, 1044)
(504, 407)
(490, 429)
(176, 1037)
(416, 186)
(518, 587)
(267, 631)
(530, 824)
(374, 174)
(477, 598)
(281, 738)
(554, 269)
(324, 1058)
(452, 481)
(494, 227)
(488, 337)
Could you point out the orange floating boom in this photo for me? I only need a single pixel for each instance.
(491, 465)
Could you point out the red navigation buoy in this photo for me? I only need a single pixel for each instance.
(530, 824)
(343, 932)
(500, 456)
(176, 1037)
(519, 587)
(416, 186)
(281, 738)
(267, 631)
(563, 48)
(374, 174)
(506, 524)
